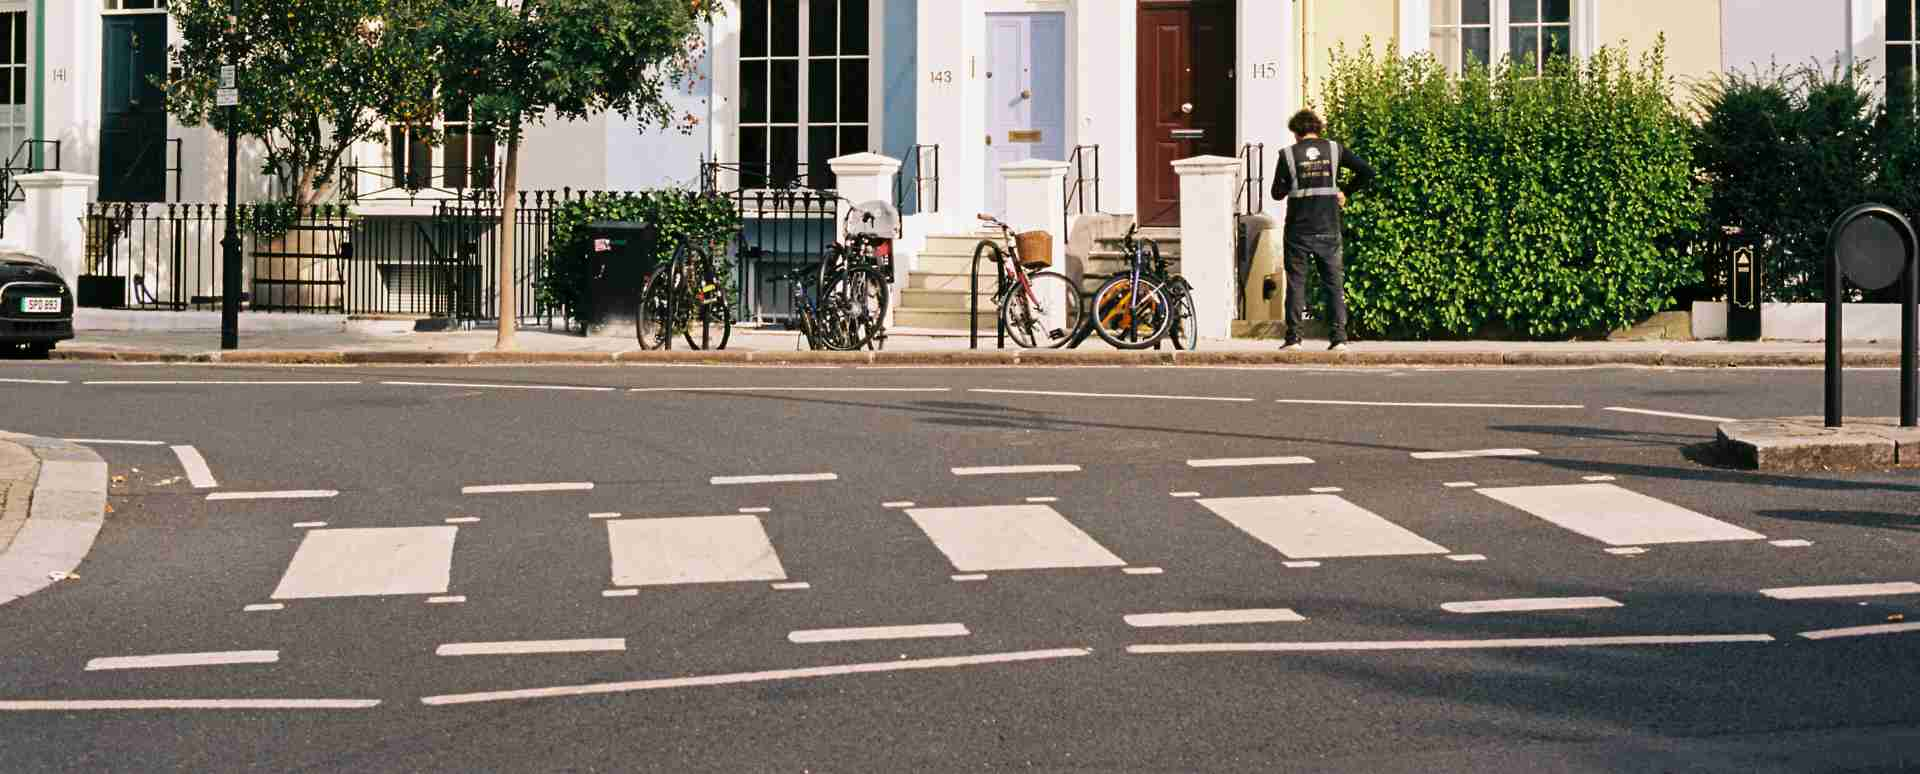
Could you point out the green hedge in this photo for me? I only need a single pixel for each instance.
(680, 216)
(1547, 206)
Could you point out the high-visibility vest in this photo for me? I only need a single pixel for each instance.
(1293, 165)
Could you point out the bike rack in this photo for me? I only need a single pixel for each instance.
(973, 296)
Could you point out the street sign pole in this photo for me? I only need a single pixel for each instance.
(230, 279)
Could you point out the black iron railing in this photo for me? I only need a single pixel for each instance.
(1253, 195)
(917, 180)
(431, 184)
(781, 228)
(1080, 186)
(28, 158)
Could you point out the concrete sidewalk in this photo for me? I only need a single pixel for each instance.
(362, 344)
(53, 499)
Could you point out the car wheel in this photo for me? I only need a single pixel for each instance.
(40, 351)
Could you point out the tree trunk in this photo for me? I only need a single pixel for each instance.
(509, 211)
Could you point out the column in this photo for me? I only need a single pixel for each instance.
(56, 205)
(863, 177)
(1207, 188)
(1036, 200)
(1267, 68)
(950, 109)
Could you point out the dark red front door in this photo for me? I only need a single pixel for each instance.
(1186, 95)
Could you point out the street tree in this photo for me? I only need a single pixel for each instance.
(515, 63)
(317, 76)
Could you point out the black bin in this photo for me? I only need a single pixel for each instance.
(620, 255)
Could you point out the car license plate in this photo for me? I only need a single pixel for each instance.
(40, 305)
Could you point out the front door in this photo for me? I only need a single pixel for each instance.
(1026, 94)
(1186, 96)
(133, 113)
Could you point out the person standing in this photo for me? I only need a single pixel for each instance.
(1308, 177)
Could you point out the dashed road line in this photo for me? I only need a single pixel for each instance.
(113, 442)
(465, 385)
(198, 474)
(170, 660)
(1214, 617)
(563, 486)
(179, 382)
(525, 647)
(604, 515)
(756, 510)
(897, 504)
(792, 586)
(791, 389)
(1467, 557)
(970, 576)
(1459, 485)
(1790, 543)
(1247, 462)
(1128, 396)
(1301, 564)
(1499, 644)
(309, 524)
(463, 520)
(1849, 590)
(1529, 605)
(1473, 453)
(778, 478)
(184, 704)
(1043, 499)
(1431, 405)
(1183, 494)
(1010, 470)
(1326, 490)
(620, 593)
(288, 494)
(862, 633)
(447, 600)
(1670, 414)
(1627, 551)
(33, 381)
(1142, 570)
(1861, 631)
(264, 608)
(1598, 478)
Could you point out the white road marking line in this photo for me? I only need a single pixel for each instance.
(1627, 551)
(1183, 494)
(1794, 543)
(154, 382)
(1319, 526)
(560, 387)
(113, 442)
(264, 608)
(1459, 485)
(189, 704)
(897, 504)
(1142, 570)
(1853, 590)
(1043, 499)
(451, 600)
(1247, 462)
(1010, 537)
(1532, 605)
(1468, 557)
(464, 520)
(382, 561)
(620, 593)
(1598, 478)
(1301, 565)
(290, 494)
(1326, 490)
(1540, 642)
(33, 381)
(1433, 405)
(972, 576)
(757, 677)
(1473, 453)
(781, 478)
(565, 486)
(795, 586)
(1003, 470)
(308, 524)
(861, 633)
(1214, 617)
(1617, 516)
(1130, 396)
(791, 389)
(1670, 414)
(604, 515)
(524, 647)
(168, 660)
(1861, 631)
(756, 510)
(692, 549)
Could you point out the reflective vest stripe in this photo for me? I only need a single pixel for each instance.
(1294, 168)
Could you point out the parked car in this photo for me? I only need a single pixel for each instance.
(36, 306)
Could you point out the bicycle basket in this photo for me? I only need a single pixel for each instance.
(1036, 249)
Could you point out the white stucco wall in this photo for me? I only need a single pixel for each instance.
(1758, 33)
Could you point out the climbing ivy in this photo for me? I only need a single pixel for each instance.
(678, 215)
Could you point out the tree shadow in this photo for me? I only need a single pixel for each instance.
(1901, 522)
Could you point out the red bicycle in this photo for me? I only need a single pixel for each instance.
(1037, 308)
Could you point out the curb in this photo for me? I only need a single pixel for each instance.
(1807, 444)
(68, 506)
(988, 357)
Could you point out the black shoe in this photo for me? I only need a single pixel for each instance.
(1291, 344)
(1339, 346)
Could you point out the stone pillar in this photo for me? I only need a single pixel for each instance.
(863, 177)
(56, 205)
(1036, 201)
(1207, 188)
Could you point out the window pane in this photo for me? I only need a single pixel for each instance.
(1445, 12)
(753, 156)
(1559, 44)
(1476, 46)
(1899, 77)
(1476, 11)
(753, 92)
(853, 139)
(784, 28)
(456, 167)
(19, 86)
(823, 89)
(1899, 19)
(1446, 46)
(455, 111)
(1525, 47)
(823, 26)
(853, 26)
(9, 24)
(753, 28)
(785, 97)
(1556, 11)
(853, 91)
(783, 155)
(7, 98)
(1522, 11)
(820, 147)
(481, 161)
(20, 38)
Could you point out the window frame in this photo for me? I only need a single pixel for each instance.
(766, 172)
(1500, 27)
(1911, 56)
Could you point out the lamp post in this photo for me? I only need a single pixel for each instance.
(230, 279)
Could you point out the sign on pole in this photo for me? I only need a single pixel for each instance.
(228, 95)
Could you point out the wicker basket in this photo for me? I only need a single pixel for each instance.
(1036, 249)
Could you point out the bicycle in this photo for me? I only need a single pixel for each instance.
(821, 325)
(1036, 307)
(856, 274)
(686, 293)
(1131, 310)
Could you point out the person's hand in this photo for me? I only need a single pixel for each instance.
(1343, 199)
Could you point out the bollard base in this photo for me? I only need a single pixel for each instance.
(1806, 443)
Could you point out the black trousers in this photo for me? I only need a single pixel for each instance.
(1325, 250)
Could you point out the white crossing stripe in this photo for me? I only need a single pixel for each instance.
(564, 486)
(380, 561)
(1004, 470)
(1319, 526)
(782, 478)
(1502, 644)
(692, 549)
(503, 386)
(1854, 590)
(1470, 454)
(166, 660)
(530, 646)
(1617, 516)
(1531, 605)
(878, 633)
(190, 704)
(1861, 631)
(1246, 462)
(1010, 537)
(289, 494)
(1213, 617)
(1433, 405)
(1127, 396)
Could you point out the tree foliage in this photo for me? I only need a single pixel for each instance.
(316, 77)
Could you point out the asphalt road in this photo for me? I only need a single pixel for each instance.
(916, 569)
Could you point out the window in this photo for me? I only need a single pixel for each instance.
(803, 89)
(15, 121)
(134, 5)
(469, 153)
(1902, 44)
(1533, 32)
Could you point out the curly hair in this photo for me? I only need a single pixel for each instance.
(1306, 122)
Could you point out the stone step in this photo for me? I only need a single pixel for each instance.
(941, 299)
(952, 264)
(953, 244)
(942, 319)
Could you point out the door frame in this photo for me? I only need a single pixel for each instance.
(166, 120)
(1228, 90)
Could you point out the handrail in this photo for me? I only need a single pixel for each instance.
(1252, 200)
(921, 180)
(985, 247)
(1076, 183)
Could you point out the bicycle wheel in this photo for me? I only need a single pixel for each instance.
(1185, 331)
(862, 294)
(1046, 314)
(709, 314)
(1130, 313)
(650, 324)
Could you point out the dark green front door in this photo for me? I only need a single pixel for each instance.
(133, 125)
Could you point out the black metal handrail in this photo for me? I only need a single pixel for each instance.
(917, 160)
(1077, 182)
(423, 182)
(770, 177)
(1252, 199)
(26, 161)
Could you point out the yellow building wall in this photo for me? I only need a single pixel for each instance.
(1692, 28)
(1329, 23)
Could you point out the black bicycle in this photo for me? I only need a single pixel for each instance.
(686, 297)
(1131, 310)
(855, 277)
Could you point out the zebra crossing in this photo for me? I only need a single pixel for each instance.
(1039, 533)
